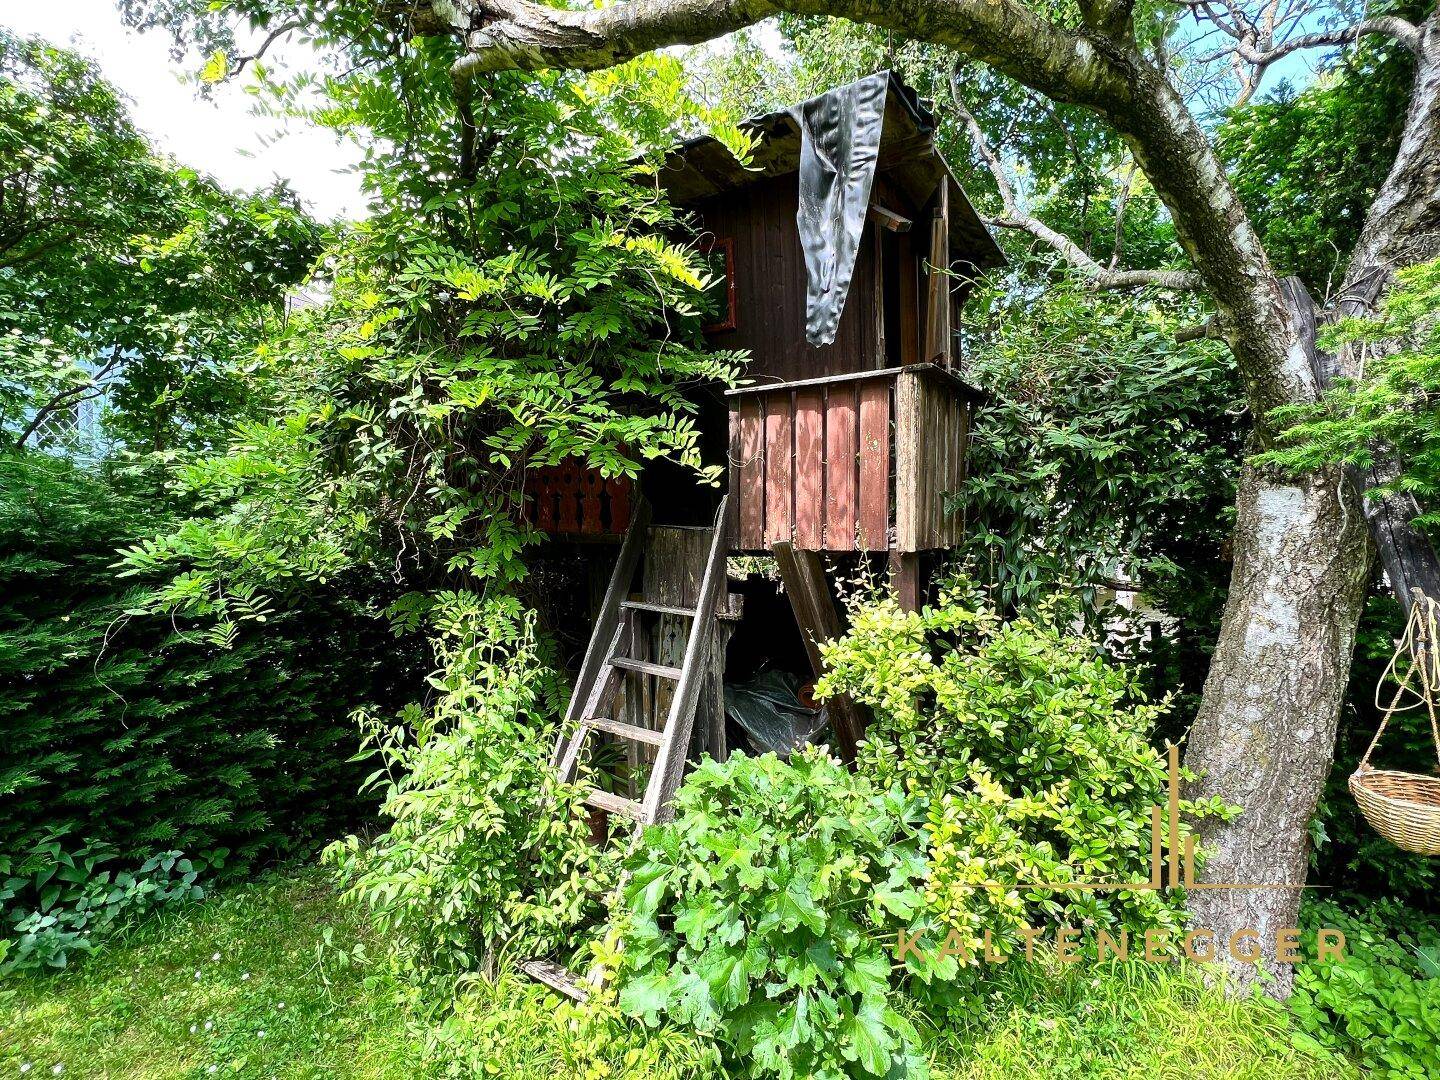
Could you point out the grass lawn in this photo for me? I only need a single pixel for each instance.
(241, 986)
(234, 986)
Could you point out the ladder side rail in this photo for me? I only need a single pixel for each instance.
(670, 763)
(602, 636)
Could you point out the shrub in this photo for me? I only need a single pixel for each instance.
(485, 848)
(124, 734)
(1381, 1003)
(766, 915)
(60, 903)
(1032, 751)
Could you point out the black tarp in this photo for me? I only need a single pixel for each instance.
(839, 146)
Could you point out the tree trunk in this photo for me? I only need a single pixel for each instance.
(1265, 734)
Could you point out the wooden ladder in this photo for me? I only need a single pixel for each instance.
(597, 689)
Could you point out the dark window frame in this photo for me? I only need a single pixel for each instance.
(730, 321)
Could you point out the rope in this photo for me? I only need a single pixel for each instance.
(1417, 645)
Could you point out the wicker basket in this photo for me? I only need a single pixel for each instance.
(1402, 807)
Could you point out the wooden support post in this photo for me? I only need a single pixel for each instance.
(905, 573)
(804, 578)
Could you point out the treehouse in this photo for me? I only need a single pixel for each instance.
(843, 254)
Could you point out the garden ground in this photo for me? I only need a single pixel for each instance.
(277, 979)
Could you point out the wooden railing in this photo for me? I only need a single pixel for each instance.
(569, 500)
(859, 462)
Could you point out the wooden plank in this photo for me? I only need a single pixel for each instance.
(623, 730)
(555, 977)
(616, 804)
(734, 463)
(873, 498)
(961, 386)
(889, 219)
(804, 577)
(909, 423)
(909, 301)
(751, 479)
(657, 609)
(905, 578)
(842, 451)
(645, 667)
(779, 471)
(937, 303)
(877, 298)
(809, 468)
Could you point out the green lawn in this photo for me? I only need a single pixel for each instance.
(235, 986)
(245, 985)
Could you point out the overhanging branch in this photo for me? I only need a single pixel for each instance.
(1099, 275)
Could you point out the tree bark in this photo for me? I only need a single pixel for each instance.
(1264, 737)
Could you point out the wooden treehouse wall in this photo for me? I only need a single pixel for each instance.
(862, 462)
(770, 288)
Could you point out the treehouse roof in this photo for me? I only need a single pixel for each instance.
(703, 167)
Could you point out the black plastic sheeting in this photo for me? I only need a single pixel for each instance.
(839, 146)
(767, 708)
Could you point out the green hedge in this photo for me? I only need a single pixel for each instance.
(126, 731)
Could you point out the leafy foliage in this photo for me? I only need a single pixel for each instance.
(767, 912)
(1307, 164)
(1380, 1003)
(59, 904)
(485, 850)
(529, 312)
(126, 733)
(1106, 451)
(114, 260)
(1389, 410)
(1032, 750)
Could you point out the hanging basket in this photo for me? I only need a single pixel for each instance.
(1404, 807)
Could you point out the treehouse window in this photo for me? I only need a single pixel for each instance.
(719, 255)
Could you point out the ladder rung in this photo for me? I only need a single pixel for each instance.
(615, 804)
(626, 731)
(657, 609)
(555, 977)
(645, 667)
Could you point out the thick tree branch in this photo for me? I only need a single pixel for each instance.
(1099, 275)
(1268, 51)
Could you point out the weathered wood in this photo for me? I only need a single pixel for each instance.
(889, 219)
(670, 763)
(909, 431)
(557, 978)
(873, 498)
(645, 667)
(961, 387)
(809, 468)
(803, 575)
(602, 635)
(841, 468)
(624, 731)
(779, 468)
(749, 478)
(905, 578)
(937, 302)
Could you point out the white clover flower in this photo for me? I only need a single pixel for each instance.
(24, 1068)
(193, 1028)
(260, 1034)
(197, 974)
(245, 977)
(281, 1005)
(209, 1024)
(58, 1069)
(212, 1068)
(215, 957)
